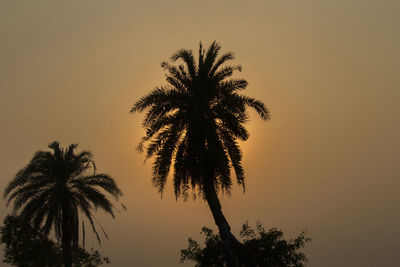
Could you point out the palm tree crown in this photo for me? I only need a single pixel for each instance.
(195, 121)
(54, 186)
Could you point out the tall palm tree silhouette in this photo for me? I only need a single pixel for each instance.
(194, 123)
(52, 189)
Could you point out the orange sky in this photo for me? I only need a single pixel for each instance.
(327, 161)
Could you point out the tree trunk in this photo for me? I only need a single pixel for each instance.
(66, 237)
(229, 240)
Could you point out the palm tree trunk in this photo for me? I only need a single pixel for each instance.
(229, 240)
(66, 237)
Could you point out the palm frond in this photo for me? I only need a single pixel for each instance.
(102, 181)
(188, 58)
(224, 58)
(257, 106)
(210, 56)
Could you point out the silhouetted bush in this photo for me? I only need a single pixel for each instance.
(26, 247)
(260, 248)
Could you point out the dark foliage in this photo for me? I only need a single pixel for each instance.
(25, 247)
(260, 248)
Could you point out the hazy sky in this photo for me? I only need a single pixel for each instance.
(327, 161)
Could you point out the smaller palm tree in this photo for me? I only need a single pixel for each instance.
(55, 188)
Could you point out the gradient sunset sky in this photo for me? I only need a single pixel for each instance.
(328, 160)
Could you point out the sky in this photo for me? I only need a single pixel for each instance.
(327, 161)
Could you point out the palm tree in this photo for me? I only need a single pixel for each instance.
(194, 123)
(55, 187)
